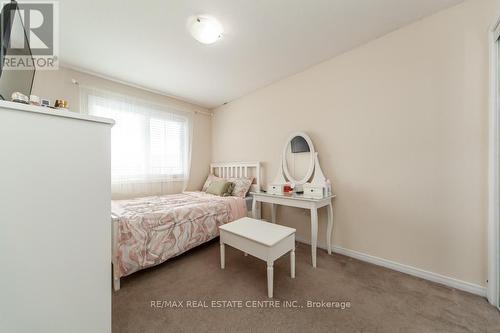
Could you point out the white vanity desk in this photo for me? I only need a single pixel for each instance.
(296, 200)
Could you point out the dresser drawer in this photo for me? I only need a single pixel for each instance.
(315, 192)
(275, 189)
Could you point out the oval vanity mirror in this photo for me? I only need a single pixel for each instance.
(298, 158)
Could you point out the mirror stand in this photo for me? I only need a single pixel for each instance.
(319, 178)
(319, 183)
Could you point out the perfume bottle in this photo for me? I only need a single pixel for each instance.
(328, 187)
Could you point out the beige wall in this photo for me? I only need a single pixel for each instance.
(401, 125)
(57, 84)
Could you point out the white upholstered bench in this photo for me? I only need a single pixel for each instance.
(266, 241)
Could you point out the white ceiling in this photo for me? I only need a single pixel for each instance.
(146, 42)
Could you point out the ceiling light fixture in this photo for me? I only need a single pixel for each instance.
(205, 29)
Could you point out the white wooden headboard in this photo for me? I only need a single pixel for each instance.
(238, 169)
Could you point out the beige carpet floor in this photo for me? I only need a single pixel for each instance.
(381, 300)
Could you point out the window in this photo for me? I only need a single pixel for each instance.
(147, 143)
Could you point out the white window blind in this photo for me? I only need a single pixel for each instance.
(148, 143)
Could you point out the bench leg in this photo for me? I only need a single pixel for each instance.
(292, 263)
(270, 279)
(222, 255)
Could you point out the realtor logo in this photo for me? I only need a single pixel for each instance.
(29, 32)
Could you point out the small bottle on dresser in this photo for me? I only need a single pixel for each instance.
(328, 187)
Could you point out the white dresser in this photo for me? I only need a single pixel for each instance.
(55, 242)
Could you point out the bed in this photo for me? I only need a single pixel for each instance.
(148, 231)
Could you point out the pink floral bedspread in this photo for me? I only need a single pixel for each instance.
(154, 229)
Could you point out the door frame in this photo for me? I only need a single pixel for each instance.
(493, 291)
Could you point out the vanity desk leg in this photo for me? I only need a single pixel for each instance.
(314, 234)
(273, 213)
(329, 229)
(254, 209)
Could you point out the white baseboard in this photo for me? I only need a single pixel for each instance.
(430, 276)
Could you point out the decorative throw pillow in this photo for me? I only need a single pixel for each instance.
(230, 189)
(241, 186)
(219, 188)
(210, 179)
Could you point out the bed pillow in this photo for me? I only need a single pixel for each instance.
(210, 179)
(220, 188)
(241, 186)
